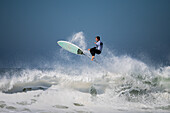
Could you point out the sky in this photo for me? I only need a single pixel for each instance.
(29, 29)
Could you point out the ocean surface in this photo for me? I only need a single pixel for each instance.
(118, 84)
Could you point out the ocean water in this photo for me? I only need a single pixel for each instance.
(75, 84)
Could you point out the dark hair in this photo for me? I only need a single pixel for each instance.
(98, 37)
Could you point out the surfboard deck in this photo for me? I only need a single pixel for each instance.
(70, 47)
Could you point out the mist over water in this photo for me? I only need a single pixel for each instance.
(76, 84)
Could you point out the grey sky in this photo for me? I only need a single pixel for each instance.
(29, 29)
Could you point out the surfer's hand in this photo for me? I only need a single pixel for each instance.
(95, 42)
(88, 49)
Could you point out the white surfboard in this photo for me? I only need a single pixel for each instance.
(70, 47)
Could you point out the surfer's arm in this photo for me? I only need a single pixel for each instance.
(98, 45)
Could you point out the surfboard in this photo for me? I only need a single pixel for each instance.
(70, 47)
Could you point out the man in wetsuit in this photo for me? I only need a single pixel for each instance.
(97, 49)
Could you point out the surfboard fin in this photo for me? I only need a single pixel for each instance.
(80, 52)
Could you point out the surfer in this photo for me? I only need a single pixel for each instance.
(97, 49)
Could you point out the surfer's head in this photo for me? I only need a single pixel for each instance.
(97, 38)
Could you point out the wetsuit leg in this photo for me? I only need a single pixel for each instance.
(97, 51)
(94, 50)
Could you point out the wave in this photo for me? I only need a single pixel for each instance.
(151, 89)
(116, 78)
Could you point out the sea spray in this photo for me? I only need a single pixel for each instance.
(79, 39)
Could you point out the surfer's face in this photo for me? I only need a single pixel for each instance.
(97, 39)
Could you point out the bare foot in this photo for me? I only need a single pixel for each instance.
(92, 58)
(88, 49)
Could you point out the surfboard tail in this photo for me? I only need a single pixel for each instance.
(80, 52)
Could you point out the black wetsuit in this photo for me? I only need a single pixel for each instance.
(97, 49)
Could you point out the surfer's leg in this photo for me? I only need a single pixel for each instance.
(97, 51)
(92, 58)
(92, 51)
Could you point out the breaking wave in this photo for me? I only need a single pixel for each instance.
(118, 83)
